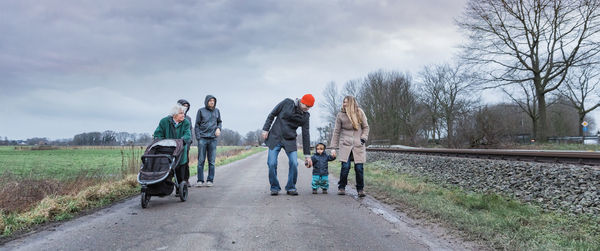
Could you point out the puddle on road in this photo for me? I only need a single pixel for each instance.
(386, 215)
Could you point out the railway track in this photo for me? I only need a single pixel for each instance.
(565, 157)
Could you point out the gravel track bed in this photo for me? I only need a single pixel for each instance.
(565, 187)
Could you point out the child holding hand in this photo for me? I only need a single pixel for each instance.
(321, 169)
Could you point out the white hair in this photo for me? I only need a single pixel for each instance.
(177, 109)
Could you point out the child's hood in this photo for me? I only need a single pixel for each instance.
(324, 147)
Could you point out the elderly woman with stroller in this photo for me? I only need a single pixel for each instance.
(175, 126)
(350, 135)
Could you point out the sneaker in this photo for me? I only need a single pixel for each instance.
(324, 191)
(274, 193)
(200, 184)
(209, 183)
(292, 192)
(361, 193)
(314, 191)
(341, 191)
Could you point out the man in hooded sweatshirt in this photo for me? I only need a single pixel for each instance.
(288, 116)
(186, 166)
(207, 129)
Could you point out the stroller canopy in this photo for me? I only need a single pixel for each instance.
(158, 145)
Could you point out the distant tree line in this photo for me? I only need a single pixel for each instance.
(106, 138)
(441, 107)
(231, 138)
(111, 138)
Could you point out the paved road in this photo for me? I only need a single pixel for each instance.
(239, 213)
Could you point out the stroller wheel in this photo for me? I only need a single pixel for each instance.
(183, 191)
(145, 199)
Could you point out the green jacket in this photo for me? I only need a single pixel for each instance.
(168, 130)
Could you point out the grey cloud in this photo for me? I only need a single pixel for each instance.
(114, 35)
(87, 59)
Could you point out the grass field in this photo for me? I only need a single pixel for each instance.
(66, 163)
(72, 162)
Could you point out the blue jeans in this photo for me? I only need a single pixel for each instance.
(358, 170)
(292, 174)
(207, 147)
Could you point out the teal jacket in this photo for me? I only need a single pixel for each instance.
(168, 130)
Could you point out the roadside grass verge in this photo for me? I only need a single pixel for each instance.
(53, 204)
(62, 207)
(27, 176)
(494, 220)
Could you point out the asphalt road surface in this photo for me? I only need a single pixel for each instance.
(238, 213)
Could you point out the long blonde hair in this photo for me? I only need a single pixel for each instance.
(352, 112)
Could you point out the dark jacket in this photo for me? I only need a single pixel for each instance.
(207, 120)
(168, 130)
(183, 102)
(289, 118)
(320, 165)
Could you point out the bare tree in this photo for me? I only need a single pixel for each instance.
(449, 88)
(531, 42)
(391, 106)
(352, 88)
(123, 137)
(563, 118)
(332, 102)
(250, 138)
(325, 133)
(229, 138)
(433, 123)
(525, 97)
(577, 90)
(429, 92)
(253, 138)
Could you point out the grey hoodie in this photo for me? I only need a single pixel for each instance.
(207, 120)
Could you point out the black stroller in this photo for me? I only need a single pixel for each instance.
(158, 170)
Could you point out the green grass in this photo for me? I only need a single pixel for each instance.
(498, 221)
(66, 163)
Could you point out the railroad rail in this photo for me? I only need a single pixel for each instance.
(566, 157)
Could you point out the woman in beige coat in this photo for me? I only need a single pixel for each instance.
(350, 135)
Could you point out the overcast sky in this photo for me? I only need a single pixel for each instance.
(68, 67)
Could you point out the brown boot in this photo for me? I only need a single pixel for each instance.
(341, 191)
(361, 193)
(324, 191)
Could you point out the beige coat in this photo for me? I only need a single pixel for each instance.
(348, 140)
